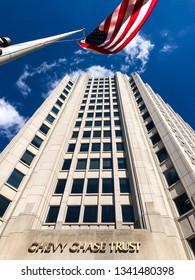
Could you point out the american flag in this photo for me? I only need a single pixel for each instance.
(115, 32)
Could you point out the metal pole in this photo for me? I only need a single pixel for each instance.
(10, 53)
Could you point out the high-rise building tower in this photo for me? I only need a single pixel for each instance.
(104, 169)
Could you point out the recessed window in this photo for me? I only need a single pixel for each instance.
(120, 147)
(44, 129)
(81, 164)
(118, 133)
(92, 185)
(162, 155)
(108, 214)
(192, 244)
(127, 214)
(155, 138)
(84, 101)
(107, 147)
(92, 101)
(15, 178)
(107, 123)
(77, 186)
(106, 107)
(107, 133)
(122, 163)
(107, 163)
(171, 176)
(75, 134)
(86, 134)
(95, 147)
(66, 164)
(71, 148)
(97, 134)
(72, 215)
(65, 91)
(88, 123)
(37, 141)
(80, 115)
(84, 147)
(98, 115)
(139, 100)
(90, 115)
(99, 107)
(59, 103)
(150, 126)
(62, 96)
(145, 116)
(142, 107)
(116, 114)
(94, 163)
(52, 214)
(91, 107)
(82, 108)
(107, 186)
(90, 214)
(106, 114)
(97, 123)
(55, 110)
(50, 118)
(183, 204)
(115, 106)
(124, 185)
(60, 187)
(27, 157)
(4, 203)
(78, 124)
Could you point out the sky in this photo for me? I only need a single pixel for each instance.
(162, 53)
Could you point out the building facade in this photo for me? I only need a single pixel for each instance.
(104, 169)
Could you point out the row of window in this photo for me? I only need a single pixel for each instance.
(91, 214)
(96, 147)
(98, 123)
(93, 186)
(98, 114)
(97, 134)
(99, 107)
(94, 163)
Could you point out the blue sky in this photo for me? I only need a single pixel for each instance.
(162, 53)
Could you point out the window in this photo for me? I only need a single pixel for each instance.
(107, 147)
(63, 97)
(120, 146)
(15, 178)
(155, 138)
(107, 163)
(50, 118)
(27, 157)
(77, 186)
(107, 133)
(55, 110)
(99, 107)
(124, 185)
(116, 114)
(108, 214)
(80, 115)
(118, 133)
(94, 163)
(78, 124)
(150, 126)
(91, 107)
(171, 176)
(72, 215)
(60, 186)
(162, 155)
(96, 147)
(88, 123)
(81, 164)
(66, 164)
(93, 186)
(90, 214)
(92, 101)
(97, 123)
(107, 123)
(44, 129)
(142, 107)
(122, 163)
(127, 213)
(65, 91)
(145, 116)
(75, 134)
(86, 134)
(59, 103)
(90, 115)
(37, 141)
(97, 134)
(106, 114)
(107, 186)
(84, 101)
(71, 148)
(84, 147)
(139, 100)
(106, 107)
(192, 244)
(4, 203)
(52, 214)
(98, 115)
(183, 204)
(68, 87)
(82, 108)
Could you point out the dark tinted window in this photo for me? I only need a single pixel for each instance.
(77, 186)
(155, 138)
(94, 163)
(124, 185)
(183, 204)
(120, 146)
(15, 178)
(107, 186)
(55, 110)
(27, 157)
(86, 134)
(50, 118)
(52, 214)
(96, 147)
(71, 148)
(4, 203)
(162, 155)
(127, 213)
(72, 215)
(118, 133)
(93, 186)
(108, 214)
(44, 128)
(66, 164)
(90, 214)
(107, 133)
(37, 141)
(84, 147)
(171, 176)
(107, 147)
(107, 163)
(60, 186)
(122, 163)
(81, 164)
(150, 126)
(75, 134)
(97, 134)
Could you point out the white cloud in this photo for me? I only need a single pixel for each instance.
(168, 48)
(138, 50)
(30, 72)
(10, 119)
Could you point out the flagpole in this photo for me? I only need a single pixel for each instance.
(10, 53)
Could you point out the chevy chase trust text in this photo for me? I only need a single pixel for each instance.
(84, 247)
